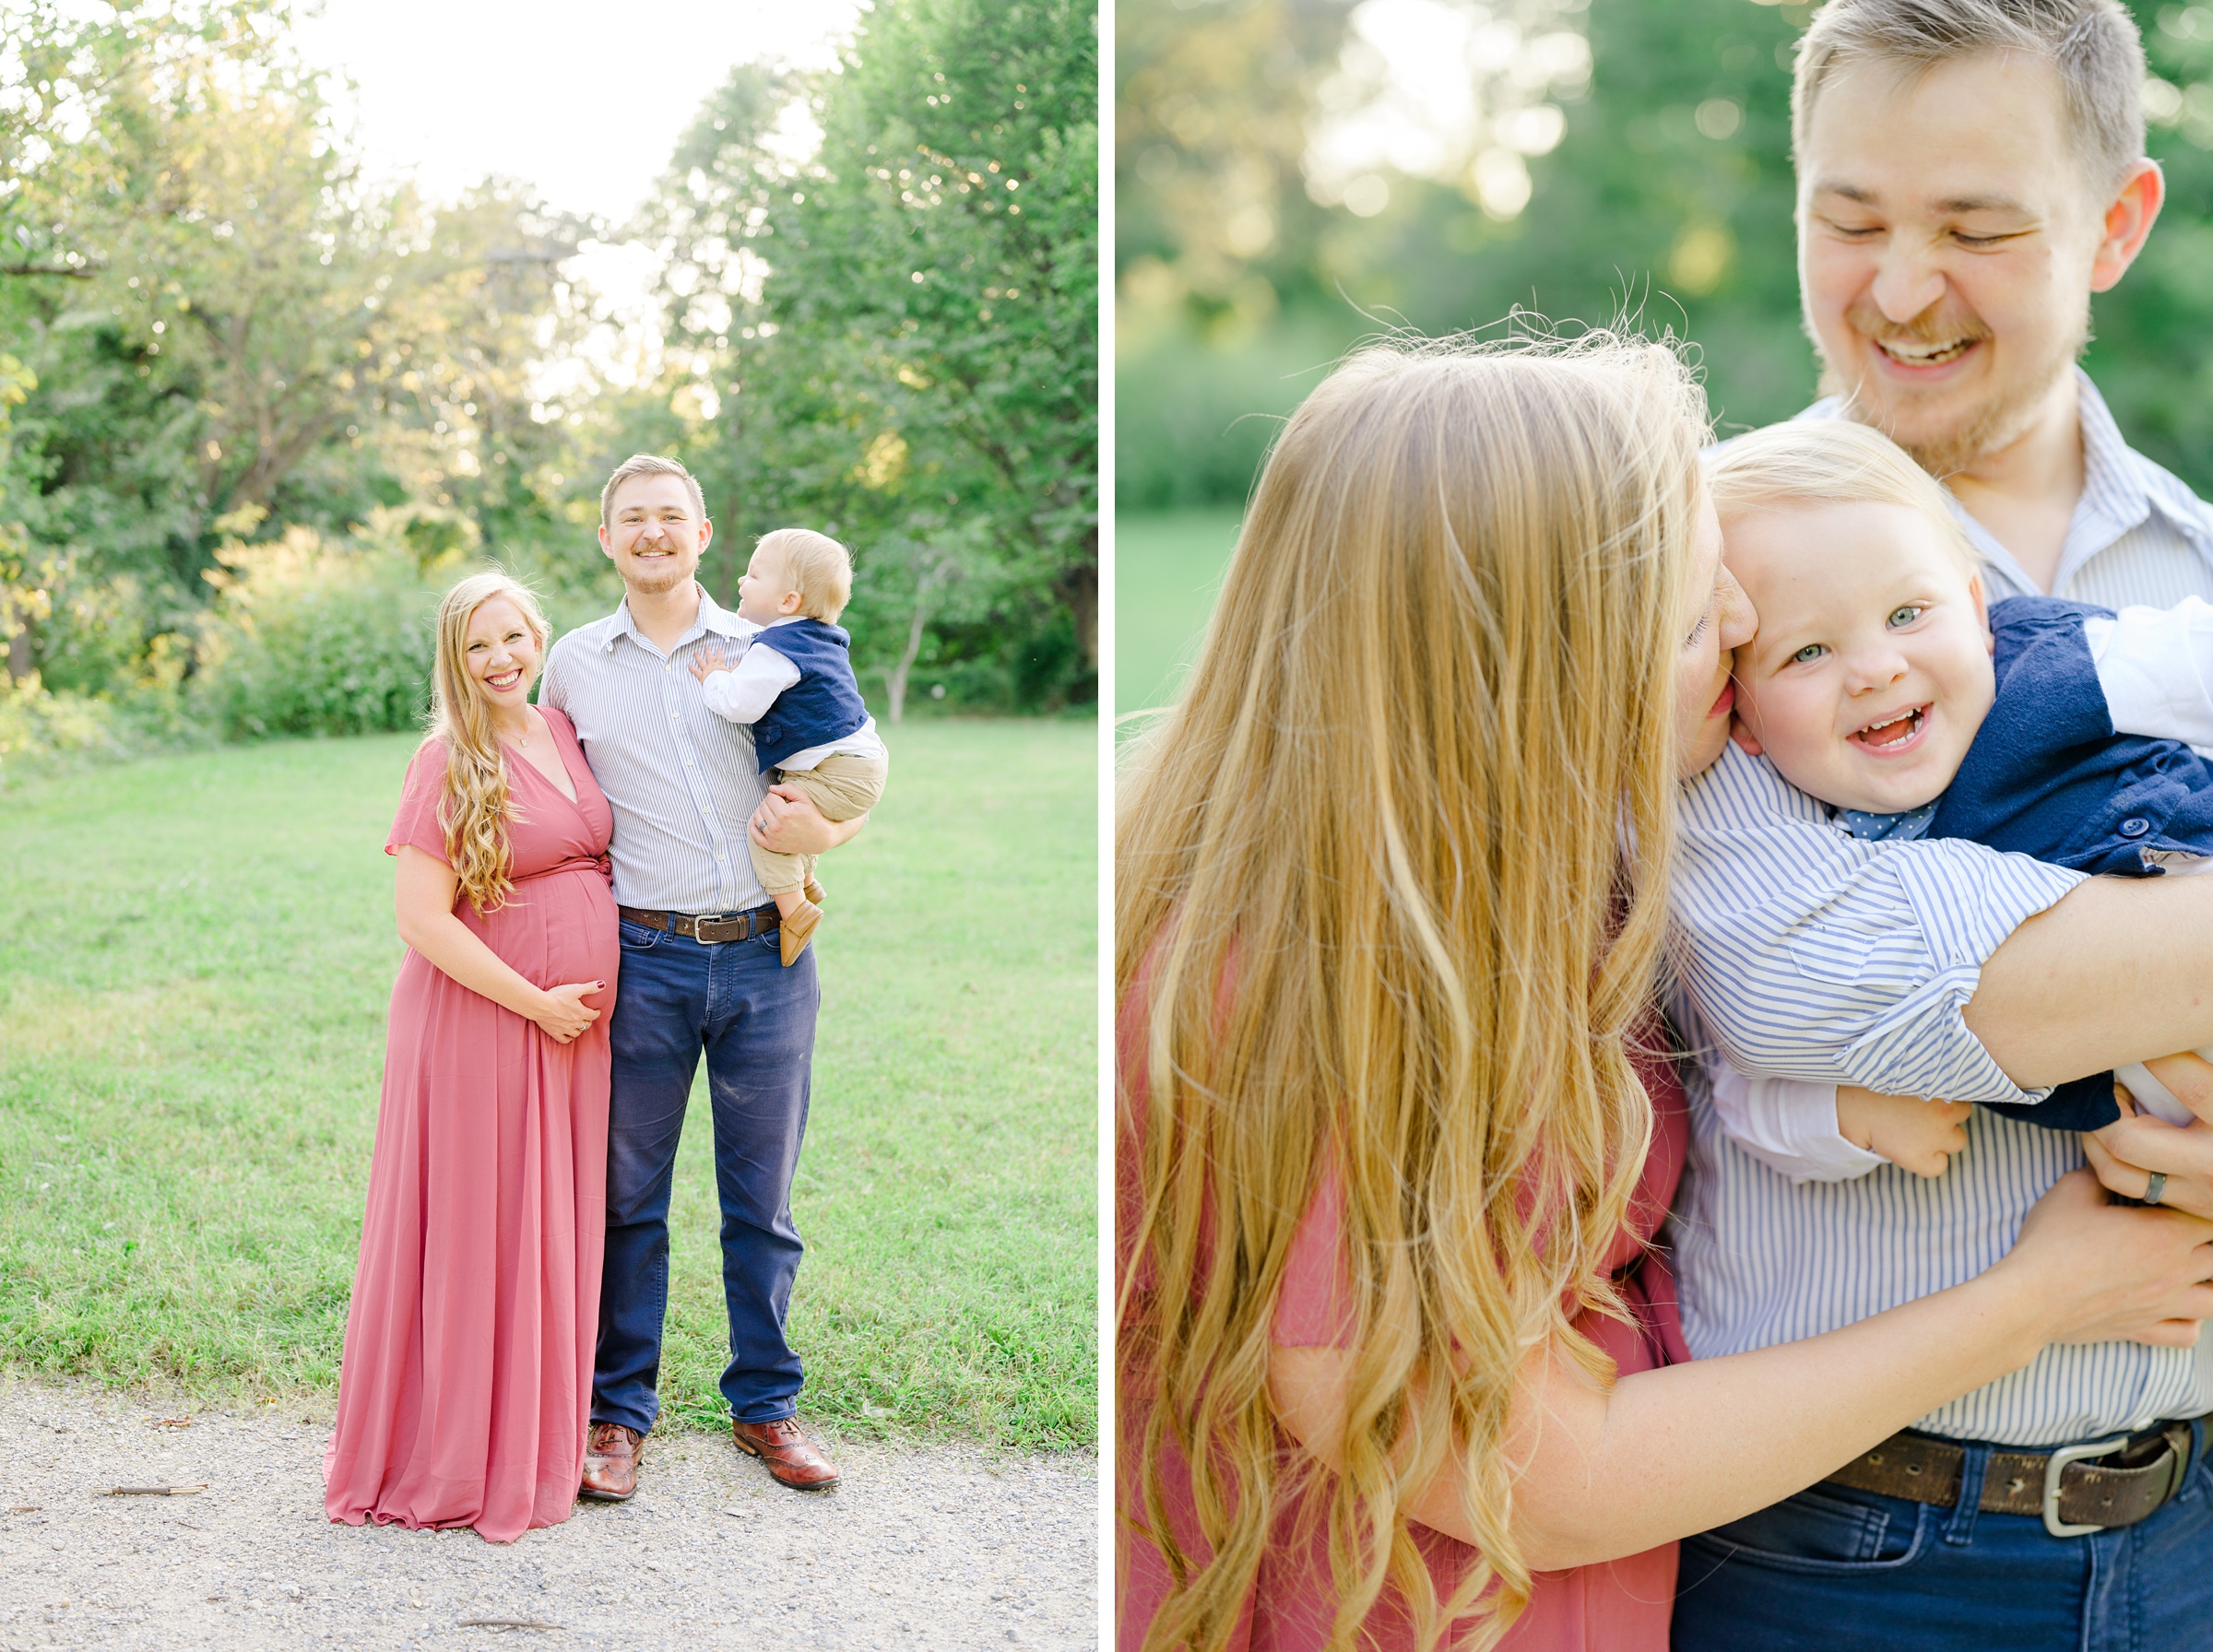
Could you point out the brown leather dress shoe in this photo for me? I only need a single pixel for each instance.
(610, 1462)
(793, 1460)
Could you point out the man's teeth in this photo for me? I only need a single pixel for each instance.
(1923, 355)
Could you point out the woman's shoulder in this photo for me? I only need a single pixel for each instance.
(558, 721)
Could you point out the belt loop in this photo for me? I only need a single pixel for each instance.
(1959, 1530)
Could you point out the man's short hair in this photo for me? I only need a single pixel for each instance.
(649, 464)
(2093, 45)
(820, 570)
(1814, 462)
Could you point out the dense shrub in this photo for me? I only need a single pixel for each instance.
(312, 639)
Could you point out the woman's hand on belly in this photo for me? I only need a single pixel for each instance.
(566, 1016)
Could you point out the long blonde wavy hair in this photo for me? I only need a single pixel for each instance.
(1389, 888)
(475, 808)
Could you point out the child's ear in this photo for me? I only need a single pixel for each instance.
(1746, 740)
(1975, 589)
(789, 602)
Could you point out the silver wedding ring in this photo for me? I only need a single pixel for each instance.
(2157, 1185)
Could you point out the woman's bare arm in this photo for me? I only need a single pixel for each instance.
(2118, 970)
(1666, 1453)
(422, 901)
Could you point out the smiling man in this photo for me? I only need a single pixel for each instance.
(701, 974)
(1970, 173)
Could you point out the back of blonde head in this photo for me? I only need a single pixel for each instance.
(1374, 909)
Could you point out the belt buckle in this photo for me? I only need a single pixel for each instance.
(699, 930)
(2058, 1461)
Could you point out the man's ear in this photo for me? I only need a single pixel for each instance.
(2129, 220)
(606, 550)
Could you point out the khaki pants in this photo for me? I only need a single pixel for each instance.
(842, 785)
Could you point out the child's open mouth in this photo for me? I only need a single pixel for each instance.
(1893, 733)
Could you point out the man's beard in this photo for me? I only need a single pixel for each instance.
(655, 584)
(1999, 422)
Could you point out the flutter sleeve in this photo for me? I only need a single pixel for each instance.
(416, 826)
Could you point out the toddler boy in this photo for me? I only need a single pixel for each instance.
(1881, 684)
(794, 684)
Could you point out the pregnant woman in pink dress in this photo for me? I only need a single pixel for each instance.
(468, 1345)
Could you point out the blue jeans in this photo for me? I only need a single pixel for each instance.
(755, 1022)
(1840, 1570)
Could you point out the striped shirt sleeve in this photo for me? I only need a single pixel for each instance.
(1811, 955)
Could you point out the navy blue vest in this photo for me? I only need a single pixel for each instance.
(2048, 777)
(823, 705)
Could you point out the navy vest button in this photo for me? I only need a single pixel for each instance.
(2134, 826)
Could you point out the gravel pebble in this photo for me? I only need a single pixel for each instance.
(943, 1546)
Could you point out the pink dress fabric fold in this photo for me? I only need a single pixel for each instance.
(468, 1375)
(1620, 1606)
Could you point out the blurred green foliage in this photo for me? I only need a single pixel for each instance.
(254, 408)
(1667, 197)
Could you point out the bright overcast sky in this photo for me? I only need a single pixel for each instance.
(582, 98)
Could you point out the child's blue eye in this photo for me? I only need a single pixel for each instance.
(1812, 651)
(1907, 615)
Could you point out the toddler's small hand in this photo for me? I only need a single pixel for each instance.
(1912, 1134)
(706, 660)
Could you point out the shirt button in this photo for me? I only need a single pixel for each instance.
(2134, 826)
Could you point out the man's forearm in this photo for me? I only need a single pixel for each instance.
(2118, 970)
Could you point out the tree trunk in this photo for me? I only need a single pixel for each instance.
(894, 676)
(1077, 588)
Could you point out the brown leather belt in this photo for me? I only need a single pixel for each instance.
(711, 930)
(2077, 1489)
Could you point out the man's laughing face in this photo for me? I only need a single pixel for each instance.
(654, 533)
(1948, 242)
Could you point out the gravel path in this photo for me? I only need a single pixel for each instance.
(934, 1547)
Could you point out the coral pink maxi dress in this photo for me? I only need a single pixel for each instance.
(1618, 1606)
(467, 1377)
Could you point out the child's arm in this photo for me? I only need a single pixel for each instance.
(1915, 1135)
(2156, 666)
(1835, 1132)
(1786, 1124)
(744, 694)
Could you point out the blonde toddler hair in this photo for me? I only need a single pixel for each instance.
(1830, 462)
(1388, 897)
(820, 570)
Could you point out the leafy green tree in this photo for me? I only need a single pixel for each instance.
(901, 333)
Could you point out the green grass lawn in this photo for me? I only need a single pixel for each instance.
(195, 955)
(1167, 569)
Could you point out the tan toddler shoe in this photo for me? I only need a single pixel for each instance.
(797, 931)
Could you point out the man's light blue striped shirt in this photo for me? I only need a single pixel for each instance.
(1808, 954)
(682, 780)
